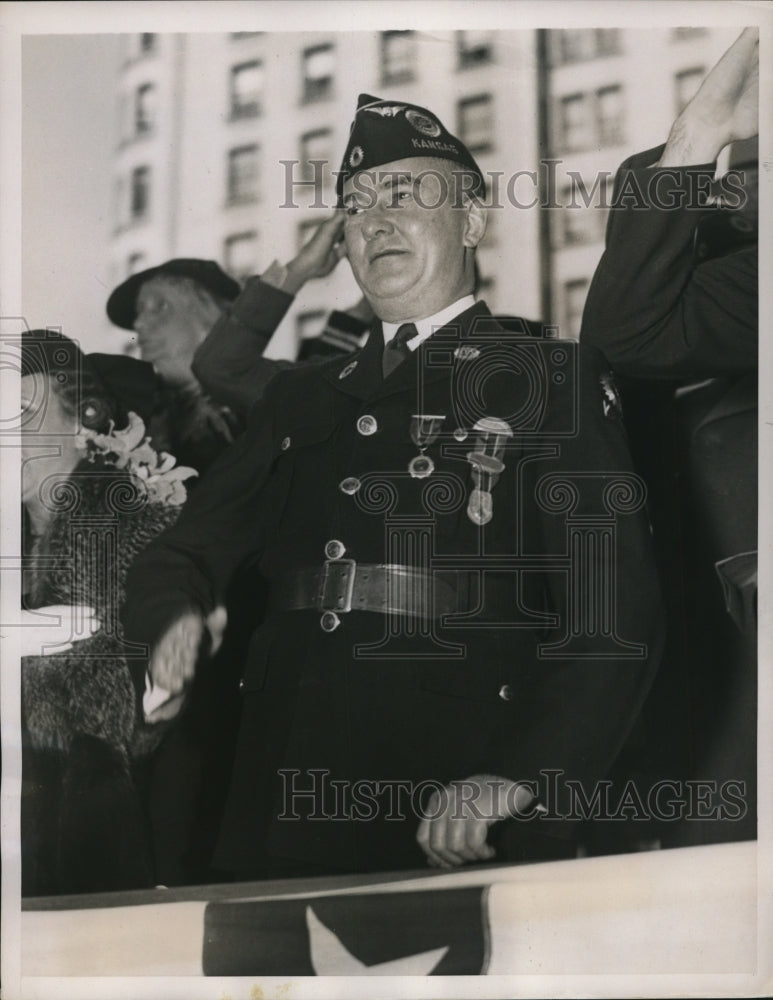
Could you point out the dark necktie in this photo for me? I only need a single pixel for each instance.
(397, 349)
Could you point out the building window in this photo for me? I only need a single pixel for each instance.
(580, 45)
(144, 109)
(315, 155)
(246, 89)
(146, 44)
(474, 48)
(574, 123)
(609, 115)
(309, 324)
(243, 174)
(398, 56)
(686, 85)
(574, 223)
(134, 263)
(582, 217)
(608, 41)
(574, 294)
(475, 123)
(139, 204)
(240, 254)
(573, 46)
(318, 70)
(679, 34)
(119, 202)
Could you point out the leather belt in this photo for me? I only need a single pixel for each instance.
(343, 585)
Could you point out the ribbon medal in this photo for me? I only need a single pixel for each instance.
(425, 428)
(487, 466)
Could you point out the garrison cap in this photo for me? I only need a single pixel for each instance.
(122, 304)
(385, 131)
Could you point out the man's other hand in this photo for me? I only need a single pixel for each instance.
(457, 820)
(725, 109)
(173, 661)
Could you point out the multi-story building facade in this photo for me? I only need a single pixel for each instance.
(228, 143)
(606, 94)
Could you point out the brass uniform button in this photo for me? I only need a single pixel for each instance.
(367, 425)
(506, 693)
(286, 442)
(334, 549)
(350, 485)
(329, 621)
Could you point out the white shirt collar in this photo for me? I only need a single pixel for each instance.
(429, 324)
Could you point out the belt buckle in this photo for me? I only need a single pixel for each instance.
(336, 588)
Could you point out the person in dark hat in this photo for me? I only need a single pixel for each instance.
(205, 337)
(230, 362)
(434, 517)
(172, 307)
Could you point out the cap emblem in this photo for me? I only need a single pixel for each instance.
(423, 123)
(386, 111)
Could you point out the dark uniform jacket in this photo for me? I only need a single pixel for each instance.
(559, 626)
(675, 299)
(662, 303)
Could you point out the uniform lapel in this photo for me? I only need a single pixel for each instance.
(359, 374)
(435, 358)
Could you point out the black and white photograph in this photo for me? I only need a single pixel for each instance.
(381, 386)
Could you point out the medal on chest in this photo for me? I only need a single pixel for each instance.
(425, 428)
(487, 466)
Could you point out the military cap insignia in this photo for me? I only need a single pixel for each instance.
(613, 407)
(347, 371)
(466, 353)
(423, 123)
(386, 111)
(356, 156)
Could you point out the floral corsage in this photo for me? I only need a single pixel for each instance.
(130, 449)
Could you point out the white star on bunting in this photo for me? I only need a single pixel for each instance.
(330, 958)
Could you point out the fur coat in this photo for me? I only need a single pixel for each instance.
(83, 828)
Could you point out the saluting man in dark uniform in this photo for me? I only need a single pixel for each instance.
(464, 616)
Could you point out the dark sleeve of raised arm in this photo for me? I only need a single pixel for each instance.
(651, 309)
(229, 363)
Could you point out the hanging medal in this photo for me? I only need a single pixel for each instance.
(487, 466)
(486, 471)
(425, 428)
